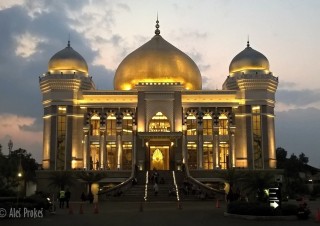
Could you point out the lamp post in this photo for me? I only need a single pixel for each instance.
(10, 145)
(19, 176)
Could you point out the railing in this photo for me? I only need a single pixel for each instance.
(120, 187)
(175, 185)
(207, 189)
(146, 186)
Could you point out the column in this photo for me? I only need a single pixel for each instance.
(119, 147)
(86, 156)
(184, 145)
(216, 145)
(102, 149)
(200, 146)
(232, 148)
(134, 146)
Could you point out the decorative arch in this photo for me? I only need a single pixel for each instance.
(159, 123)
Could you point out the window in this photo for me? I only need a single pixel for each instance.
(61, 138)
(95, 125)
(192, 155)
(111, 155)
(111, 125)
(127, 124)
(223, 124)
(207, 124)
(257, 138)
(191, 125)
(224, 156)
(159, 123)
(207, 155)
(127, 155)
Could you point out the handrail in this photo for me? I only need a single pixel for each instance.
(125, 184)
(195, 181)
(146, 187)
(175, 184)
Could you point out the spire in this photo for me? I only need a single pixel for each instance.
(248, 42)
(69, 40)
(157, 31)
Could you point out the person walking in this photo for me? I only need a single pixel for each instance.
(67, 197)
(61, 198)
(155, 189)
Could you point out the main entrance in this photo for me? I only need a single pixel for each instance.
(159, 157)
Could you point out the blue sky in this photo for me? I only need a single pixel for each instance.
(210, 32)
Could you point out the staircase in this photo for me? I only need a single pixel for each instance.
(165, 182)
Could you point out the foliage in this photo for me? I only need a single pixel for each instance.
(261, 209)
(256, 182)
(61, 179)
(17, 161)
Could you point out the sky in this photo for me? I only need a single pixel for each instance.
(211, 32)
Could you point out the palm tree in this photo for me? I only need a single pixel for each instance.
(256, 182)
(90, 177)
(61, 179)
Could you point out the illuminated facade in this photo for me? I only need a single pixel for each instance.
(158, 116)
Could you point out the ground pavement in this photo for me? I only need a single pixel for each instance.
(198, 213)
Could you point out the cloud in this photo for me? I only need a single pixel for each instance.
(5, 4)
(298, 98)
(23, 131)
(27, 45)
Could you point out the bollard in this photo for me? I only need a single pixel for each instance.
(70, 210)
(96, 209)
(81, 209)
(217, 204)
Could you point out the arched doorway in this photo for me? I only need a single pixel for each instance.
(159, 149)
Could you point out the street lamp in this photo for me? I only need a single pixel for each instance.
(10, 145)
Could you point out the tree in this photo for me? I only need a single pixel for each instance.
(281, 155)
(303, 159)
(256, 182)
(90, 177)
(61, 179)
(17, 161)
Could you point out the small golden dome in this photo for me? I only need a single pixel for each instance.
(67, 61)
(249, 60)
(157, 61)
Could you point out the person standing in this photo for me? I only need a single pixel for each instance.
(67, 197)
(62, 198)
(155, 189)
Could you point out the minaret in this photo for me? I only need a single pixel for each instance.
(61, 85)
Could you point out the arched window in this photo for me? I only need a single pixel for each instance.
(207, 124)
(95, 125)
(191, 125)
(159, 123)
(127, 124)
(111, 125)
(223, 124)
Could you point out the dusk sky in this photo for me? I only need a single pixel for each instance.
(211, 32)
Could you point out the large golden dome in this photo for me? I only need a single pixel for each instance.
(67, 61)
(248, 61)
(157, 61)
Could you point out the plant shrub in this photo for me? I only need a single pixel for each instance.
(261, 209)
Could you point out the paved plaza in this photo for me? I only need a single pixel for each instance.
(151, 214)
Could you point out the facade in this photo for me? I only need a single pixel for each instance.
(158, 116)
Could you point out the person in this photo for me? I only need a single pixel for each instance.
(155, 189)
(156, 177)
(83, 197)
(90, 197)
(61, 198)
(67, 197)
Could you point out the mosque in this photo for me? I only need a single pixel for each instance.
(158, 116)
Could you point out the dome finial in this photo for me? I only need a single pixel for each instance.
(248, 42)
(69, 40)
(157, 31)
